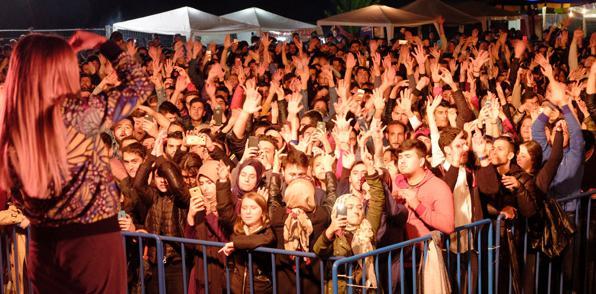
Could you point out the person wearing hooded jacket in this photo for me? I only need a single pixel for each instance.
(168, 199)
(204, 223)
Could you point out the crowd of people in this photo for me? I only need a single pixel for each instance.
(333, 145)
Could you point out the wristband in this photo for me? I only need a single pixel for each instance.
(481, 158)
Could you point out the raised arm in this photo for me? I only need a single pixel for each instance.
(546, 174)
(252, 104)
(119, 102)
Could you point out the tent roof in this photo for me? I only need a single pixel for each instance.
(184, 20)
(376, 15)
(483, 9)
(436, 8)
(266, 20)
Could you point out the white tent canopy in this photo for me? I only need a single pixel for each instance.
(436, 8)
(377, 16)
(267, 21)
(185, 21)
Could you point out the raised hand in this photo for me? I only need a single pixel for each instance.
(197, 204)
(350, 60)
(435, 53)
(434, 69)
(82, 40)
(479, 61)
(223, 172)
(423, 82)
(419, 55)
(547, 70)
(519, 48)
(252, 103)
(389, 77)
(342, 89)
(168, 67)
(405, 102)
(447, 78)
(227, 42)
(131, 48)
(478, 144)
(155, 53)
(558, 96)
(295, 103)
(182, 81)
(277, 157)
(378, 100)
(432, 104)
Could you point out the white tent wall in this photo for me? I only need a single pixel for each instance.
(267, 21)
(376, 16)
(186, 21)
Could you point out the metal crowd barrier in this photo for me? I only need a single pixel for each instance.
(482, 243)
(411, 251)
(549, 273)
(183, 243)
(10, 255)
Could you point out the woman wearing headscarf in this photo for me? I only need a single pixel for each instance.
(353, 231)
(249, 178)
(297, 222)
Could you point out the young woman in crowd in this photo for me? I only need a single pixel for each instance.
(353, 230)
(204, 223)
(250, 229)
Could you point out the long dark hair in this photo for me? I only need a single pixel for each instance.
(535, 152)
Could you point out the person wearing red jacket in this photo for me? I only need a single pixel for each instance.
(428, 198)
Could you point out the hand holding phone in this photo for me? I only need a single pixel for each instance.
(218, 116)
(195, 140)
(253, 142)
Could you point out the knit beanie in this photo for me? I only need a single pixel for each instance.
(209, 170)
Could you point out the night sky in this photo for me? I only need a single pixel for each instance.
(52, 14)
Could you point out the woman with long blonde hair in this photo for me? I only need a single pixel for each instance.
(55, 165)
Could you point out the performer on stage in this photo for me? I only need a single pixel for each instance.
(56, 166)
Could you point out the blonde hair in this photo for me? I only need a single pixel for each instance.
(43, 71)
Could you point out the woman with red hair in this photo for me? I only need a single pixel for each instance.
(55, 165)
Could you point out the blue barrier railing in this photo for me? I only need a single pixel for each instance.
(473, 231)
(482, 254)
(549, 274)
(183, 243)
(484, 234)
(138, 239)
(376, 253)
